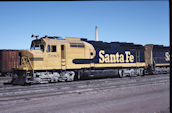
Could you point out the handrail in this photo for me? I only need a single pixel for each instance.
(30, 63)
(25, 59)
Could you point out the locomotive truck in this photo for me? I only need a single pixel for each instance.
(52, 59)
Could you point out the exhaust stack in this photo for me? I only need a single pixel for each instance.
(97, 33)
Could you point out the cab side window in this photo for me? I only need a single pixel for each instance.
(53, 48)
(48, 48)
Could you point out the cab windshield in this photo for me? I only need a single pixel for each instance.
(37, 46)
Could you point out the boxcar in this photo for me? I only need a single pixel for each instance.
(8, 61)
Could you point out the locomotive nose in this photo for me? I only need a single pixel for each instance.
(26, 53)
(24, 58)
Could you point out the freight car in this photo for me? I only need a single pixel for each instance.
(8, 61)
(52, 59)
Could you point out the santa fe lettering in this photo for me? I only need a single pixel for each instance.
(115, 58)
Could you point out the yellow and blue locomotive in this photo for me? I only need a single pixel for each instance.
(52, 59)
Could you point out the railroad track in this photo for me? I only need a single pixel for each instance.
(61, 85)
(87, 82)
(45, 90)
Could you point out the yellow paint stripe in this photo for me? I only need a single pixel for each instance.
(163, 64)
(121, 65)
(79, 66)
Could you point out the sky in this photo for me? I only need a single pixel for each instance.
(139, 22)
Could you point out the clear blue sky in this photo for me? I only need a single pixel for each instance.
(141, 22)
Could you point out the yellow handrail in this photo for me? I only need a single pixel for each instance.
(24, 60)
(30, 64)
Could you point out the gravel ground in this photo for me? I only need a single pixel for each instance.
(149, 98)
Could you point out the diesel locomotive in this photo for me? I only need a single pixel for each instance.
(52, 59)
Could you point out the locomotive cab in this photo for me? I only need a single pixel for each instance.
(28, 58)
(41, 56)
